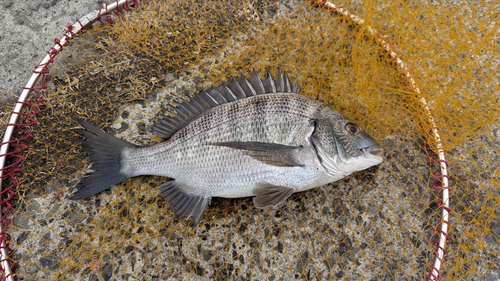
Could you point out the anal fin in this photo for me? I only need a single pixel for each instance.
(184, 204)
(270, 195)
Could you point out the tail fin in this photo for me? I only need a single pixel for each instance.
(105, 151)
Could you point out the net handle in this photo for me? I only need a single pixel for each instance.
(103, 15)
(440, 175)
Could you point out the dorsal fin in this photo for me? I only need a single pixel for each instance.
(215, 96)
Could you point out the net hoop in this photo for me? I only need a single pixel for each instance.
(105, 15)
(439, 156)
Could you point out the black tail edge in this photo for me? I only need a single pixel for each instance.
(105, 151)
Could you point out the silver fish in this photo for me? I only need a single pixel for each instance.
(252, 137)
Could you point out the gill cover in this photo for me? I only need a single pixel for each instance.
(328, 148)
(343, 147)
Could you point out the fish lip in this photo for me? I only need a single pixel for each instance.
(375, 150)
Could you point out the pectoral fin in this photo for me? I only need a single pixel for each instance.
(184, 204)
(279, 155)
(270, 195)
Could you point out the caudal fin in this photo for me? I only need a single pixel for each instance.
(105, 151)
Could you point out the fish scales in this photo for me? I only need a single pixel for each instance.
(236, 140)
(257, 119)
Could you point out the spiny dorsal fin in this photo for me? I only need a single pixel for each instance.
(215, 96)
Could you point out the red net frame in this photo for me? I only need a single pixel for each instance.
(12, 148)
(437, 155)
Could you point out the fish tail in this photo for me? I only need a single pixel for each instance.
(105, 151)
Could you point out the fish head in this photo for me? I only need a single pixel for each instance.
(344, 147)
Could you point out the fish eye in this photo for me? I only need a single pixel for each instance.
(352, 129)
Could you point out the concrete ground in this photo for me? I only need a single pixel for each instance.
(28, 31)
(29, 28)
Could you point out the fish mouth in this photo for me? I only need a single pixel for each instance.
(375, 150)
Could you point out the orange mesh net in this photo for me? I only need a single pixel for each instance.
(381, 223)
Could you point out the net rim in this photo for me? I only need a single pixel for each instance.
(104, 15)
(442, 174)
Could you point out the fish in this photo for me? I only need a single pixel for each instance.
(252, 137)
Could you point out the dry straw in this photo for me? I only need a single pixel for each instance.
(386, 69)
